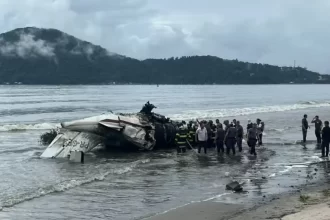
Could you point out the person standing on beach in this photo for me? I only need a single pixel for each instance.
(201, 137)
(226, 127)
(239, 137)
(249, 125)
(226, 123)
(219, 138)
(318, 128)
(191, 133)
(234, 123)
(260, 129)
(305, 126)
(209, 126)
(230, 139)
(217, 122)
(181, 139)
(325, 139)
(252, 137)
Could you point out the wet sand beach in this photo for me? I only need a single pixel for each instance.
(311, 202)
(201, 210)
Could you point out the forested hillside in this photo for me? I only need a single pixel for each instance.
(48, 56)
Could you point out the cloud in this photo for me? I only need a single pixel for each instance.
(26, 47)
(274, 32)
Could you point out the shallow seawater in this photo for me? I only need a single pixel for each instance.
(137, 185)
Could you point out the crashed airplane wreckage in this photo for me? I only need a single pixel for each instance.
(140, 131)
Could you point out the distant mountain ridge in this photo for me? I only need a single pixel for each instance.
(48, 56)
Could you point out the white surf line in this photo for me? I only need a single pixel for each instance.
(296, 165)
(23, 127)
(217, 196)
(67, 184)
(192, 202)
(288, 168)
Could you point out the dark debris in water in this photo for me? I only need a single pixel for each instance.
(48, 137)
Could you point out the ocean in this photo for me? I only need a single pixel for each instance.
(139, 185)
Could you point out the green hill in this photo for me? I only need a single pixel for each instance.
(48, 56)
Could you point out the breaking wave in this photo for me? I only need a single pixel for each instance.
(287, 143)
(220, 113)
(21, 150)
(309, 102)
(68, 184)
(281, 130)
(20, 127)
(193, 114)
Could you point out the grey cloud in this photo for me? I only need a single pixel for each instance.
(80, 47)
(26, 47)
(275, 32)
(87, 6)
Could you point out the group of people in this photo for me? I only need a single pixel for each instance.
(229, 135)
(206, 134)
(322, 133)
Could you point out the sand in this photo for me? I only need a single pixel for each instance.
(201, 211)
(283, 207)
(315, 212)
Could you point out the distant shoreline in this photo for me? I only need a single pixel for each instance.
(146, 84)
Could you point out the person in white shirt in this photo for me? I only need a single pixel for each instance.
(201, 137)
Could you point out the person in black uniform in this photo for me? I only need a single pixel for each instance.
(209, 125)
(305, 126)
(234, 123)
(226, 127)
(252, 137)
(318, 128)
(249, 125)
(214, 132)
(325, 139)
(230, 139)
(219, 138)
(239, 137)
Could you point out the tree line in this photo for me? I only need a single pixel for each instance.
(99, 67)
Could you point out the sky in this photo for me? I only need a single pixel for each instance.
(263, 31)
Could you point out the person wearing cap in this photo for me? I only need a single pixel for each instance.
(181, 139)
(318, 128)
(304, 126)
